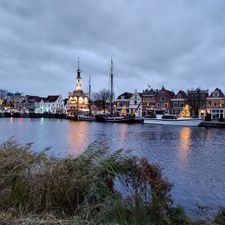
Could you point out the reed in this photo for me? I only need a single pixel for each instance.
(94, 188)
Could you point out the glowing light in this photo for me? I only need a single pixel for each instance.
(185, 141)
(185, 113)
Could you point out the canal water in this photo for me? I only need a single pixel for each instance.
(193, 159)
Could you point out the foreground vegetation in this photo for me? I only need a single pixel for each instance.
(94, 188)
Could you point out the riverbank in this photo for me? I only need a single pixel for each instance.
(37, 188)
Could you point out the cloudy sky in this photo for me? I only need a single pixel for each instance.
(179, 44)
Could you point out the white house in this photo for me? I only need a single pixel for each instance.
(135, 104)
(53, 104)
(129, 103)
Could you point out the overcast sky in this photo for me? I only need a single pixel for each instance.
(179, 44)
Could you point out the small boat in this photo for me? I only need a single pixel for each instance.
(173, 120)
(84, 118)
(114, 119)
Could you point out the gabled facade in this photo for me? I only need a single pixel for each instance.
(123, 103)
(32, 104)
(178, 102)
(163, 100)
(216, 104)
(135, 104)
(52, 104)
(149, 102)
(197, 102)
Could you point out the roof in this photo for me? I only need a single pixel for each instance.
(126, 95)
(52, 98)
(182, 93)
(220, 94)
(33, 98)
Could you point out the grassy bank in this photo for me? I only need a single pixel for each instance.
(94, 188)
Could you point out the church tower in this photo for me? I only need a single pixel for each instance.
(78, 78)
(78, 101)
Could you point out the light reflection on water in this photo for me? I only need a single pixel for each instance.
(193, 159)
(185, 141)
(77, 138)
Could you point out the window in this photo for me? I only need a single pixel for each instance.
(209, 103)
(215, 94)
(162, 99)
(175, 104)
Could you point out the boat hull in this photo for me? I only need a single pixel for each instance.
(174, 122)
(100, 118)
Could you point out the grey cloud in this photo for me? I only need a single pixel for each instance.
(179, 44)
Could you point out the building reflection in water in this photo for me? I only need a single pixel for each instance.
(78, 133)
(185, 141)
(123, 132)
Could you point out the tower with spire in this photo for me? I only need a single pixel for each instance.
(78, 101)
(78, 78)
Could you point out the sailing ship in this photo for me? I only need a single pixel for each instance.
(111, 117)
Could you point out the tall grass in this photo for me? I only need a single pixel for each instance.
(83, 190)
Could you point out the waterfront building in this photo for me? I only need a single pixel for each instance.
(197, 102)
(15, 102)
(123, 103)
(178, 102)
(78, 102)
(53, 104)
(163, 100)
(216, 104)
(135, 104)
(32, 104)
(149, 102)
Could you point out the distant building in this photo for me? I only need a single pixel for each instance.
(197, 102)
(216, 104)
(78, 101)
(52, 104)
(15, 102)
(178, 102)
(149, 102)
(123, 103)
(135, 104)
(33, 104)
(163, 100)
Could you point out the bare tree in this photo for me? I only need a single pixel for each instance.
(197, 100)
(3, 94)
(102, 98)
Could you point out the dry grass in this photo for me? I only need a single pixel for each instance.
(36, 188)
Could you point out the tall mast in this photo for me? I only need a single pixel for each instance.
(111, 87)
(89, 88)
(89, 95)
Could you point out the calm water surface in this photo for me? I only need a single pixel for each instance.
(192, 158)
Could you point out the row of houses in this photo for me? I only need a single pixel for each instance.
(147, 103)
(151, 101)
(51, 104)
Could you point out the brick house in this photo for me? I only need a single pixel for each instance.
(149, 102)
(178, 102)
(216, 104)
(197, 102)
(163, 100)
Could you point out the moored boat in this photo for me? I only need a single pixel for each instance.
(115, 119)
(173, 120)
